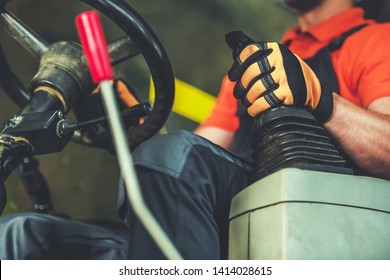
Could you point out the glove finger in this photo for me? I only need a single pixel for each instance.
(264, 102)
(269, 96)
(237, 41)
(272, 99)
(253, 74)
(259, 87)
(260, 65)
(259, 106)
(263, 82)
(283, 93)
(252, 54)
(277, 96)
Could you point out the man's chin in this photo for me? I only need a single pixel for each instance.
(303, 6)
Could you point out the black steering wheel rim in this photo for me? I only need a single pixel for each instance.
(149, 46)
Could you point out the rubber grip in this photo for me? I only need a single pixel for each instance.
(94, 45)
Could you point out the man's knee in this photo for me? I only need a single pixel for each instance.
(20, 222)
(167, 153)
(21, 236)
(23, 227)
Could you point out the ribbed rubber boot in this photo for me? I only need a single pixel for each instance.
(291, 137)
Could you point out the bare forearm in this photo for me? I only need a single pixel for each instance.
(363, 134)
(216, 135)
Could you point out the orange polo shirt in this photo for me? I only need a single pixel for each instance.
(362, 64)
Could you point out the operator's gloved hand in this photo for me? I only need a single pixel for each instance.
(125, 96)
(98, 135)
(270, 75)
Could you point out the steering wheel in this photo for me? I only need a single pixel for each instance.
(141, 40)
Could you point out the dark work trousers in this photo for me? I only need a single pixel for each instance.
(188, 183)
(41, 236)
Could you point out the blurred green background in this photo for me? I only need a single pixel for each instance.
(83, 181)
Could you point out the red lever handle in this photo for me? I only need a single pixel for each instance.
(94, 45)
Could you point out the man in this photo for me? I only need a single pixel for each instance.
(358, 121)
(188, 182)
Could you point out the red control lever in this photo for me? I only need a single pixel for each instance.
(96, 52)
(94, 45)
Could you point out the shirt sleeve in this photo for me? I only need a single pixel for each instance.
(372, 68)
(224, 113)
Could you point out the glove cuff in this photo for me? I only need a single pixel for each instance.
(325, 105)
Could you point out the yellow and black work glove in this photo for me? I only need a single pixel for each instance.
(270, 75)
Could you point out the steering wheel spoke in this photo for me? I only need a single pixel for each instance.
(122, 49)
(27, 38)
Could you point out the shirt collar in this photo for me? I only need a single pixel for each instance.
(332, 27)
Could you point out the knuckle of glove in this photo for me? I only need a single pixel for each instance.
(248, 51)
(256, 81)
(241, 62)
(249, 55)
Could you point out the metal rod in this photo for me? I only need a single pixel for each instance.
(130, 176)
(135, 112)
(138, 111)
